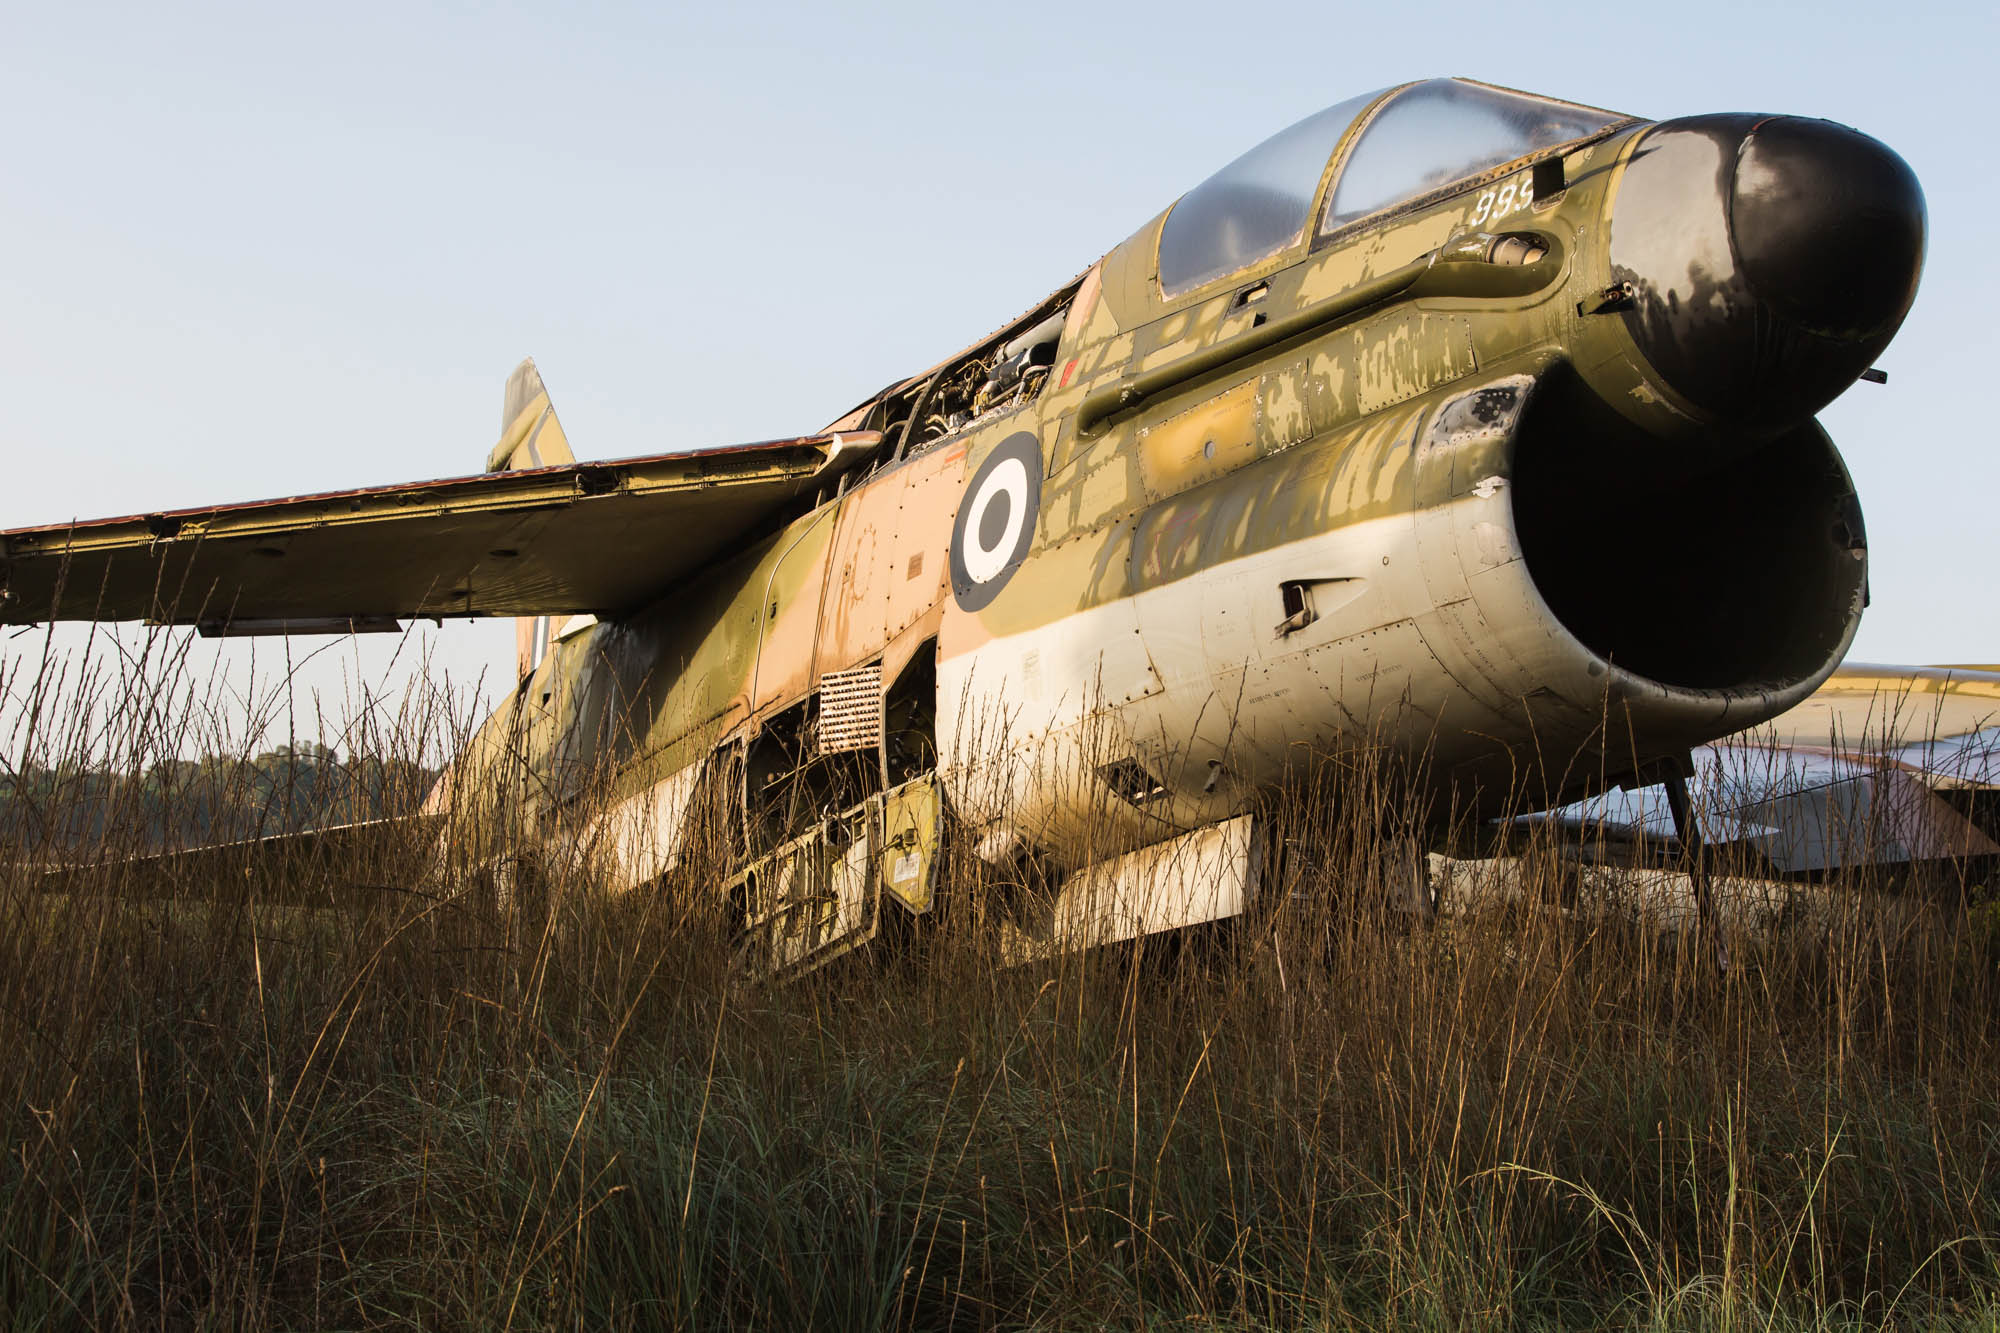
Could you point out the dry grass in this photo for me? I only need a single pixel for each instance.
(426, 1108)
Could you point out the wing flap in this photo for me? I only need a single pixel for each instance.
(600, 537)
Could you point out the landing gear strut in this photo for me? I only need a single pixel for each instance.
(1689, 832)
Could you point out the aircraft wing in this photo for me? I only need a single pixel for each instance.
(340, 865)
(1804, 812)
(598, 537)
(1881, 766)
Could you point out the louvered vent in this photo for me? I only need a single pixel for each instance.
(850, 709)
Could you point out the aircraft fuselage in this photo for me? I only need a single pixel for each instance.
(1518, 475)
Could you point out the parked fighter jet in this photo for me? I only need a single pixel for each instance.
(1459, 421)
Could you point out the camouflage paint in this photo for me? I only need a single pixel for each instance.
(1273, 510)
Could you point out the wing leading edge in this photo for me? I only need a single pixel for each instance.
(598, 537)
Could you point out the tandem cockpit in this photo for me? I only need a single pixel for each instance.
(1371, 158)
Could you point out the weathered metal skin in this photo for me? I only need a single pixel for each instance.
(1495, 476)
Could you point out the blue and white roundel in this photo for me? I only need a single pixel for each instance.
(996, 520)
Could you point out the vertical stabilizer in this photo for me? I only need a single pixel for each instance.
(530, 437)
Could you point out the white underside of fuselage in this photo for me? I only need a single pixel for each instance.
(1427, 637)
(1193, 682)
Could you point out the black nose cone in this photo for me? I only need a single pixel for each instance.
(1829, 227)
(1771, 260)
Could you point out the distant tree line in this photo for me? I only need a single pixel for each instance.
(194, 802)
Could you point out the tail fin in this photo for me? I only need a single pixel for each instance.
(530, 435)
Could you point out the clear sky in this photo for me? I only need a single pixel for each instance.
(255, 250)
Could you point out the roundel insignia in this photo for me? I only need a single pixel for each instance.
(996, 520)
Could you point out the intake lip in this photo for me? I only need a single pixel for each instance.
(1770, 260)
(1738, 581)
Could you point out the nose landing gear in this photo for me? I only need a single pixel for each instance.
(1688, 829)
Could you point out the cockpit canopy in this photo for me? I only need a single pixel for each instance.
(1402, 144)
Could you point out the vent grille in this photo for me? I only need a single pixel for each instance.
(850, 709)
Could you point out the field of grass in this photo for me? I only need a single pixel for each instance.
(425, 1107)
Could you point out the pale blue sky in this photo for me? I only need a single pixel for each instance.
(256, 250)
